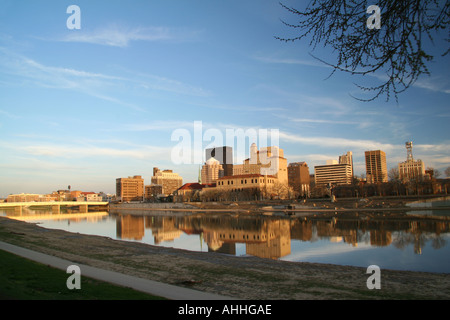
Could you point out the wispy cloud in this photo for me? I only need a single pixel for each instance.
(310, 63)
(343, 143)
(436, 84)
(432, 83)
(103, 86)
(121, 36)
(86, 150)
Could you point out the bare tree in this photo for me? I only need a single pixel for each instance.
(397, 48)
(393, 174)
(447, 172)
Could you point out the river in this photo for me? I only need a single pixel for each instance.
(395, 241)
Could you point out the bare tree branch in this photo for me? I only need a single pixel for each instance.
(397, 49)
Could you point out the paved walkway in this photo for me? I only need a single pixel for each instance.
(148, 286)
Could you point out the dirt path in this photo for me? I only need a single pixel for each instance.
(240, 277)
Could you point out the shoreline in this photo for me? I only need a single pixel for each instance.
(292, 208)
(237, 277)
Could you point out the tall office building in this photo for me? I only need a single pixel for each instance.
(347, 159)
(225, 157)
(167, 179)
(211, 171)
(298, 177)
(130, 189)
(376, 168)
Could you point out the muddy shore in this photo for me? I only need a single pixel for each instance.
(240, 277)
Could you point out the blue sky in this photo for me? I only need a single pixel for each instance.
(84, 107)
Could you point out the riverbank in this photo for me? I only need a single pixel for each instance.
(293, 207)
(239, 277)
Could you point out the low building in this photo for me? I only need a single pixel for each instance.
(189, 192)
(23, 197)
(251, 186)
(153, 191)
(91, 197)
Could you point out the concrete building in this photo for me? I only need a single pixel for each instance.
(411, 169)
(153, 191)
(211, 171)
(256, 183)
(225, 157)
(130, 189)
(267, 161)
(347, 159)
(333, 174)
(189, 192)
(298, 178)
(376, 168)
(91, 196)
(23, 197)
(169, 180)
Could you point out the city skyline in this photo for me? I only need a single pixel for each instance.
(83, 107)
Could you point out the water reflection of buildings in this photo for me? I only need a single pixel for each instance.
(270, 237)
(265, 238)
(130, 227)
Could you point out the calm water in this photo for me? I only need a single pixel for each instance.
(396, 243)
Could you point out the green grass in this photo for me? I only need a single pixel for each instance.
(22, 279)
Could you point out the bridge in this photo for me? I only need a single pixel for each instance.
(55, 205)
(63, 216)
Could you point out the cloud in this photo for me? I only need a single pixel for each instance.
(343, 143)
(310, 63)
(359, 124)
(121, 36)
(101, 86)
(74, 151)
(436, 84)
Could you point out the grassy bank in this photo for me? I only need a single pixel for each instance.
(22, 279)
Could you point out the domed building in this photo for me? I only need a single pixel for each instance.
(211, 171)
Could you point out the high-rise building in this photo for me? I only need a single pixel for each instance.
(130, 189)
(167, 179)
(347, 159)
(225, 157)
(411, 169)
(298, 177)
(376, 168)
(211, 171)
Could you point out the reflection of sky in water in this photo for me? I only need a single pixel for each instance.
(363, 255)
(399, 254)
